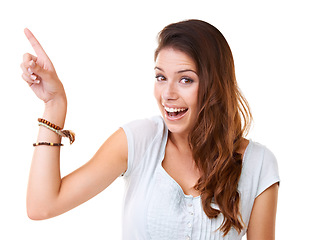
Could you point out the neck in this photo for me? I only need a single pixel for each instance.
(180, 141)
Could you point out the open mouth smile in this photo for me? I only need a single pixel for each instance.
(175, 113)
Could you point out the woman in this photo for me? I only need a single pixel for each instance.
(190, 174)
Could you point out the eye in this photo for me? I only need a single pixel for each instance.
(160, 78)
(186, 80)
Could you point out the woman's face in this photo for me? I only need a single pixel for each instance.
(176, 89)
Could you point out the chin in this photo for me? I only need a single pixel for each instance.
(178, 127)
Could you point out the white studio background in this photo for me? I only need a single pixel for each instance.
(103, 53)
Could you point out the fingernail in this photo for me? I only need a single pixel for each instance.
(37, 81)
(33, 77)
(32, 63)
(29, 71)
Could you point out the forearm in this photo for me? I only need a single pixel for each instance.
(45, 178)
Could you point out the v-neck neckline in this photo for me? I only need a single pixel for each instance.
(171, 179)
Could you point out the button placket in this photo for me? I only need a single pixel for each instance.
(190, 211)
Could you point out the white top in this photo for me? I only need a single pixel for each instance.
(155, 206)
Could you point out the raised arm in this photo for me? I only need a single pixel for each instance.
(48, 195)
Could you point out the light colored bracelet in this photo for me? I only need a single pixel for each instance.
(63, 133)
(50, 128)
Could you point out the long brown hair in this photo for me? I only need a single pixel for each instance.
(223, 119)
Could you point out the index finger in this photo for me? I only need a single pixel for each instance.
(35, 44)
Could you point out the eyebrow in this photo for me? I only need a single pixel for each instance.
(181, 71)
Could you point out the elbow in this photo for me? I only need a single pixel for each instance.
(39, 209)
(37, 213)
(36, 216)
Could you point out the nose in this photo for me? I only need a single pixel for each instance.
(169, 92)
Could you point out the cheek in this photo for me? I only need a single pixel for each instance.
(192, 98)
(157, 93)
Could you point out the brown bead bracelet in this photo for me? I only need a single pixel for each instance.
(49, 124)
(47, 144)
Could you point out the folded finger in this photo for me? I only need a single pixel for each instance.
(27, 57)
(23, 68)
(32, 79)
(28, 72)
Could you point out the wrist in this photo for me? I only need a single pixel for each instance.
(57, 102)
(55, 110)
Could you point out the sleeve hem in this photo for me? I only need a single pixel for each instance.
(267, 185)
(127, 172)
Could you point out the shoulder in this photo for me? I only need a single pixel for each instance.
(146, 125)
(144, 136)
(258, 155)
(259, 172)
(144, 130)
(260, 166)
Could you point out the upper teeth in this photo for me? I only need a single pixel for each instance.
(174, 109)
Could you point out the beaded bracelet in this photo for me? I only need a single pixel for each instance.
(54, 126)
(47, 144)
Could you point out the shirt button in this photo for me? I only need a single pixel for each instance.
(189, 225)
(191, 213)
(188, 238)
(190, 205)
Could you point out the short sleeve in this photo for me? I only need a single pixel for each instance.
(140, 134)
(269, 173)
(130, 140)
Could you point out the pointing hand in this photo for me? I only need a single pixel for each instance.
(39, 72)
